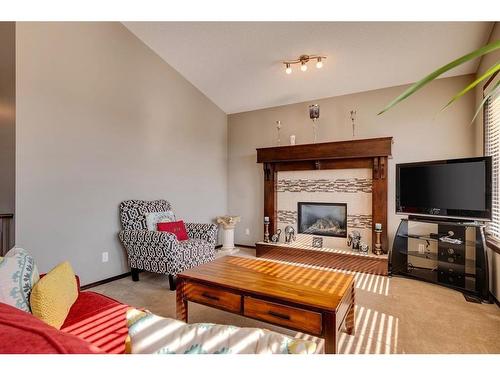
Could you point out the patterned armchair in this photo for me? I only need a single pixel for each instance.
(161, 252)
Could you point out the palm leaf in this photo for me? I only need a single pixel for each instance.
(486, 97)
(418, 85)
(495, 68)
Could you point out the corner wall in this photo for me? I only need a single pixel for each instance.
(420, 131)
(100, 119)
(7, 120)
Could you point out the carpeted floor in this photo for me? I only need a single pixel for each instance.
(393, 315)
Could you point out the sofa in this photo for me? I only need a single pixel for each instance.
(95, 324)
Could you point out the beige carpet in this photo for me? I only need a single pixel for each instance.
(393, 315)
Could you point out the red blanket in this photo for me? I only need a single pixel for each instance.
(21, 332)
(99, 320)
(95, 324)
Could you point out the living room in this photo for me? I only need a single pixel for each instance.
(297, 183)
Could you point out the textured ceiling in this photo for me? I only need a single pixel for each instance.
(238, 64)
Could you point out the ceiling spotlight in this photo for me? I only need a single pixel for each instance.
(303, 60)
(319, 64)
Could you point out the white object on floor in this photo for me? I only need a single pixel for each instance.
(228, 223)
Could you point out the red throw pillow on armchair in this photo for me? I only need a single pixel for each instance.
(175, 227)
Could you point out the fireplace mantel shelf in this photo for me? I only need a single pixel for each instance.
(359, 148)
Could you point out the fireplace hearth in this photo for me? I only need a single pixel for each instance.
(322, 219)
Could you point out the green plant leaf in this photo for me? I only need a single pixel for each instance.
(419, 84)
(495, 68)
(486, 97)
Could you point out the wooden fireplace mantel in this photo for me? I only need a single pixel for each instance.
(361, 153)
(359, 148)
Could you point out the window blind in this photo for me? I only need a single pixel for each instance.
(492, 148)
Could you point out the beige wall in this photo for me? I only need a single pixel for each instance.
(486, 62)
(7, 117)
(420, 132)
(101, 118)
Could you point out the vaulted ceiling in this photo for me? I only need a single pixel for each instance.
(238, 64)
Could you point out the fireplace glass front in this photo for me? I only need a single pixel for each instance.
(322, 219)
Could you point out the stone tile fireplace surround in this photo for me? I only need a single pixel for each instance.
(352, 187)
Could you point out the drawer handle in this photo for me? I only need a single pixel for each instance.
(206, 295)
(279, 315)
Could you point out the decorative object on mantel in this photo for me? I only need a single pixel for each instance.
(278, 127)
(228, 223)
(364, 247)
(266, 228)
(303, 60)
(355, 243)
(292, 140)
(353, 118)
(317, 242)
(275, 238)
(289, 234)
(378, 246)
(314, 115)
(354, 239)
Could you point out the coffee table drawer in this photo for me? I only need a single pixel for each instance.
(291, 317)
(213, 297)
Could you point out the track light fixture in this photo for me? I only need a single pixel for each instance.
(303, 60)
(319, 64)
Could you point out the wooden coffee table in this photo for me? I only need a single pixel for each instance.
(304, 299)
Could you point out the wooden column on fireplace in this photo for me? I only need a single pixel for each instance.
(361, 153)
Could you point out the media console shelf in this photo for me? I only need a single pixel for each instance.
(421, 251)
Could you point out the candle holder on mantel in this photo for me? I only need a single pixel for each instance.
(314, 115)
(266, 229)
(278, 128)
(377, 249)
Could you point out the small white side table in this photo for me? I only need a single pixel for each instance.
(228, 224)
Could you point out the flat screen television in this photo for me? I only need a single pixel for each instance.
(457, 189)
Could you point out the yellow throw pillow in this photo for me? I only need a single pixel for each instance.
(54, 294)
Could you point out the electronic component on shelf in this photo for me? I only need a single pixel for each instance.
(447, 239)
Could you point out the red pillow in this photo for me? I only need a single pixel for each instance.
(175, 227)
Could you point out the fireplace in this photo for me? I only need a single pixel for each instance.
(322, 219)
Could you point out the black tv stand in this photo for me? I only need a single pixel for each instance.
(450, 253)
(430, 219)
